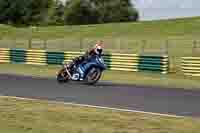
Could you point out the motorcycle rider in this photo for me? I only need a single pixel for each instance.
(97, 50)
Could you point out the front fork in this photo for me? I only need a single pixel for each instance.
(63, 70)
(70, 76)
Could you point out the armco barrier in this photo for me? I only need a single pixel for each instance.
(122, 62)
(55, 58)
(191, 66)
(18, 56)
(154, 63)
(114, 61)
(36, 57)
(4, 55)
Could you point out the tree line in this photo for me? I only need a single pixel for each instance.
(73, 12)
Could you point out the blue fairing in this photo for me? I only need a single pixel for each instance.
(95, 61)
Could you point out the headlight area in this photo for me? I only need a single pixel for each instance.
(101, 60)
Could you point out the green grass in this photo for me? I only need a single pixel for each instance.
(174, 29)
(117, 36)
(27, 116)
(144, 79)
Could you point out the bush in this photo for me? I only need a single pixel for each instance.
(99, 11)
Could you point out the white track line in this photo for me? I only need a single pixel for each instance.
(97, 107)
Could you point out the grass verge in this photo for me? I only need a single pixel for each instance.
(176, 28)
(26, 116)
(117, 36)
(144, 79)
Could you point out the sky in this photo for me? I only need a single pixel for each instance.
(164, 9)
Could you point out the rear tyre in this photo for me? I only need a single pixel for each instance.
(93, 76)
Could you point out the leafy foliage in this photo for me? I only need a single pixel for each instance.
(24, 11)
(99, 11)
(74, 12)
(56, 15)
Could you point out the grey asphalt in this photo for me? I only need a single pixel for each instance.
(158, 100)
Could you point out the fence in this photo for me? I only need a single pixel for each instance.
(114, 61)
(117, 45)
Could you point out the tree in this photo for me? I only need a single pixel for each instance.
(43, 12)
(127, 11)
(24, 12)
(116, 10)
(56, 15)
(40, 11)
(99, 11)
(80, 12)
(14, 12)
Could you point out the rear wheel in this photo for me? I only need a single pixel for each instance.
(62, 76)
(93, 76)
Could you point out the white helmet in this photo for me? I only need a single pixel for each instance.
(98, 49)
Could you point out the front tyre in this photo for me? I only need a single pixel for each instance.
(62, 76)
(93, 76)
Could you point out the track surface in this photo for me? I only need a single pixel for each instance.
(157, 100)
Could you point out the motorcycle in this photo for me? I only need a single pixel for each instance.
(88, 72)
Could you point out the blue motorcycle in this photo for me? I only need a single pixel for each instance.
(89, 71)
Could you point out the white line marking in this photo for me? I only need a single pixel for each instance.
(97, 107)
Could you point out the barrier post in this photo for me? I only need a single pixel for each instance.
(144, 43)
(166, 47)
(45, 44)
(194, 46)
(119, 41)
(30, 43)
(63, 44)
(81, 44)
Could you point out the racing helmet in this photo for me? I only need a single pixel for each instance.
(98, 48)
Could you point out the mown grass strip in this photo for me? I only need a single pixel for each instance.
(26, 116)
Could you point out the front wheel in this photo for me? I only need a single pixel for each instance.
(93, 76)
(62, 76)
